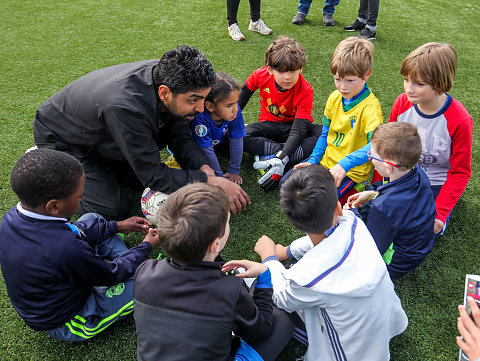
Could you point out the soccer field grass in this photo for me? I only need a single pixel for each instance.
(44, 45)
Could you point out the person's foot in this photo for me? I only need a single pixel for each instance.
(235, 33)
(260, 27)
(299, 19)
(356, 26)
(367, 34)
(328, 20)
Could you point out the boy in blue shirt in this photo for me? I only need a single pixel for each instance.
(399, 214)
(221, 123)
(69, 279)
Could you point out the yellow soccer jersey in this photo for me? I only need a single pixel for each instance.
(351, 128)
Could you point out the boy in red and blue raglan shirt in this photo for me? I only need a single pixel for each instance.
(285, 132)
(443, 123)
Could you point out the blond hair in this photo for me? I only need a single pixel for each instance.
(352, 56)
(285, 54)
(432, 63)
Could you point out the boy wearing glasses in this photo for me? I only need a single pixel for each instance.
(351, 114)
(399, 214)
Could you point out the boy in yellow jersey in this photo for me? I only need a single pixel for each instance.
(351, 114)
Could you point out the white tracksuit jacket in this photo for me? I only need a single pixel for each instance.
(342, 290)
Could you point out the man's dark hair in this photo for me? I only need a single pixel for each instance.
(191, 219)
(309, 198)
(221, 89)
(184, 69)
(45, 174)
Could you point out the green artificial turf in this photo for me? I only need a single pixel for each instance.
(44, 45)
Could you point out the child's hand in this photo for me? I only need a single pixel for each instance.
(281, 252)
(235, 178)
(359, 199)
(438, 226)
(265, 247)
(152, 237)
(470, 344)
(252, 269)
(338, 173)
(133, 224)
(301, 165)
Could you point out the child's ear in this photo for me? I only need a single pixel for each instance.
(52, 207)
(210, 107)
(214, 247)
(338, 210)
(367, 75)
(388, 167)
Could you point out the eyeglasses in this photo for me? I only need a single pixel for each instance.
(370, 157)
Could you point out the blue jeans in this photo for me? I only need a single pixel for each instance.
(328, 7)
(105, 305)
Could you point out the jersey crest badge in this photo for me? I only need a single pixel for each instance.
(266, 90)
(201, 130)
(274, 109)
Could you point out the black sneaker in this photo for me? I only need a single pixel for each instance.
(299, 19)
(356, 26)
(367, 34)
(328, 20)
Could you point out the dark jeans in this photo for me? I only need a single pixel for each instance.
(265, 138)
(368, 12)
(232, 9)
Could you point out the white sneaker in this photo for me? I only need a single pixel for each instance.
(260, 27)
(235, 33)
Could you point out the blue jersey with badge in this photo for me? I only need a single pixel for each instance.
(207, 134)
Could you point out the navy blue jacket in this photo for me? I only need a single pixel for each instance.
(401, 221)
(49, 270)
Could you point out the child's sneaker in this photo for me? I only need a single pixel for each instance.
(259, 158)
(328, 20)
(367, 34)
(260, 27)
(235, 33)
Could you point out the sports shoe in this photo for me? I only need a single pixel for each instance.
(259, 158)
(356, 26)
(328, 20)
(367, 34)
(235, 33)
(299, 19)
(260, 27)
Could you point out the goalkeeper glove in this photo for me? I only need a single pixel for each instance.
(274, 169)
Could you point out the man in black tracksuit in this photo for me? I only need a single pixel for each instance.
(115, 121)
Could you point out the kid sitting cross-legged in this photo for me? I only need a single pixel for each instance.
(400, 213)
(351, 114)
(69, 279)
(285, 131)
(340, 286)
(220, 123)
(443, 123)
(185, 306)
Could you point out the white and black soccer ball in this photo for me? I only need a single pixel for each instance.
(151, 202)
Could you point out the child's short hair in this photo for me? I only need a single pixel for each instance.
(309, 197)
(398, 141)
(433, 63)
(191, 219)
(222, 87)
(45, 174)
(285, 54)
(352, 56)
